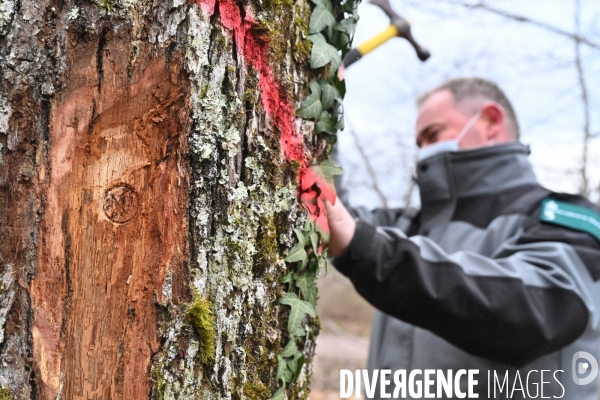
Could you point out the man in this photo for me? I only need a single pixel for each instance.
(494, 273)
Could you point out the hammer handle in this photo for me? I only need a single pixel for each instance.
(370, 45)
(378, 40)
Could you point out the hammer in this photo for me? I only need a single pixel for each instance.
(398, 27)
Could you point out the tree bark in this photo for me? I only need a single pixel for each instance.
(148, 171)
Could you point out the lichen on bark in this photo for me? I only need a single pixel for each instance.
(237, 165)
(184, 64)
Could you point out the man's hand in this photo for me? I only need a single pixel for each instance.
(341, 227)
(341, 73)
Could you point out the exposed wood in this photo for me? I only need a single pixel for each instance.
(115, 220)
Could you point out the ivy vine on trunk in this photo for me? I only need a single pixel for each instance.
(331, 30)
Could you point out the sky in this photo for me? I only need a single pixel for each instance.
(535, 67)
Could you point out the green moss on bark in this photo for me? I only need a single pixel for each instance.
(107, 6)
(159, 383)
(267, 242)
(202, 318)
(5, 394)
(256, 391)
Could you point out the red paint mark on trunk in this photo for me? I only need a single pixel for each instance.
(208, 6)
(253, 46)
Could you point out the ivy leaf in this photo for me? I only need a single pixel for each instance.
(301, 238)
(323, 174)
(323, 53)
(299, 332)
(323, 3)
(283, 372)
(281, 367)
(297, 253)
(309, 199)
(287, 278)
(323, 262)
(299, 310)
(315, 88)
(309, 226)
(295, 366)
(290, 350)
(328, 170)
(307, 232)
(340, 124)
(314, 240)
(308, 179)
(350, 7)
(311, 106)
(326, 123)
(307, 284)
(320, 19)
(330, 139)
(299, 365)
(322, 227)
(313, 265)
(343, 41)
(321, 223)
(328, 95)
(336, 62)
(347, 25)
(280, 394)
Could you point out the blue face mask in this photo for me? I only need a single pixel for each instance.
(447, 145)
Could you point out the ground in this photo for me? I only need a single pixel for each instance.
(344, 339)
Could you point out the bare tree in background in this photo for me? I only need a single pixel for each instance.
(588, 185)
(585, 186)
(368, 165)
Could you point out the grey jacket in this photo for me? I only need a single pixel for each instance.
(479, 278)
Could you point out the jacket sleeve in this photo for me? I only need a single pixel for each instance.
(396, 217)
(379, 216)
(529, 299)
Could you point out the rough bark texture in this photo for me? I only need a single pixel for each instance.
(148, 164)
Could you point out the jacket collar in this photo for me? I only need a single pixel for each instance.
(447, 177)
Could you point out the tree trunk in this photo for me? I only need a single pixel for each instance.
(148, 171)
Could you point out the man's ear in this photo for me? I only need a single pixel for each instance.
(494, 116)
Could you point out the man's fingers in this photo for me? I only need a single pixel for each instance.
(334, 212)
(329, 208)
(337, 211)
(341, 73)
(341, 226)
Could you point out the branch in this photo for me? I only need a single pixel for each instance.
(519, 18)
(585, 182)
(370, 169)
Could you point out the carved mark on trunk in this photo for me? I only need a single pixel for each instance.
(120, 203)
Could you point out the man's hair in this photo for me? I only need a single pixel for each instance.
(470, 93)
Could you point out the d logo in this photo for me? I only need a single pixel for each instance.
(580, 367)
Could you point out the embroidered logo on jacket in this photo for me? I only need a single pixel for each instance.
(571, 216)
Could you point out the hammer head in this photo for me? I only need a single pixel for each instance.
(403, 27)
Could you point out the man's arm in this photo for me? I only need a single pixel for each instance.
(527, 301)
(377, 217)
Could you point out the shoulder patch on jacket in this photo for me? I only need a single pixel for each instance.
(571, 216)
